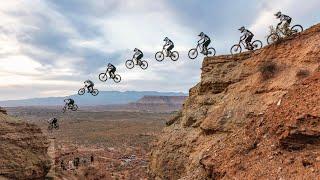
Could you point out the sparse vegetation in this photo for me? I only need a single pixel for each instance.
(268, 70)
(302, 73)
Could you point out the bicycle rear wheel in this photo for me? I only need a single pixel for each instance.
(75, 107)
(235, 49)
(144, 65)
(211, 52)
(95, 92)
(117, 78)
(174, 56)
(257, 44)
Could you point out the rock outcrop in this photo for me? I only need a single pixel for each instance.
(238, 124)
(3, 111)
(23, 150)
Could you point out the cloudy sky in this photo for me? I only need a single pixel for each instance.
(49, 47)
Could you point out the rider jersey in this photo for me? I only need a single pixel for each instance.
(284, 18)
(52, 120)
(247, 33)
(206, 38)
(138, 52)
(169, 43)
(90, 83)
(71, 101)
(112, 67)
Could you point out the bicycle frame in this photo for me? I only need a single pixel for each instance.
(279, 31)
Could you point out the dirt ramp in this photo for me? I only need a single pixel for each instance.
(23, 150)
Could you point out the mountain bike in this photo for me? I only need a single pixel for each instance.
(67, 107)
(193, 53)
(53, 126)
(237, 48)
(174, 55)
(280, 33)
(143, 64)
(104, 76)
(94, 92)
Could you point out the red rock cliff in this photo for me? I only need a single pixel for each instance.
(23, 150)
(255, 115)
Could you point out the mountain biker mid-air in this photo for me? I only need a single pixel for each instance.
(284, 20)
(168, 46)
(247, 37)
(53, 122)
(138, 55)
(112, 70)
(69, 102)
(204, 41)
(89, 84)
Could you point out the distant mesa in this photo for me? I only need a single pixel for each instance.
(104, 98)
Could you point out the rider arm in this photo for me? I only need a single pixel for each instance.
(201, 41)
(243, 37)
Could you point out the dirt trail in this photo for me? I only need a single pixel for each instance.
(51, 153)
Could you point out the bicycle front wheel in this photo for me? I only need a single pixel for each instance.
(193, 53)
(64, 109)
(272, 38)
(159, 56)
(81, 91)
(129, 64)
(296, 29)
(103, 77)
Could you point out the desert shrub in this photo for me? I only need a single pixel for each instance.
(303, 73)
(268, 70)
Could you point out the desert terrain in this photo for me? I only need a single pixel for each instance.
(118, 141)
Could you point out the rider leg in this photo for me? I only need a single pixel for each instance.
(205, 47)
(248, 42)
(90, 88)
(139, 59)
(70, 105)
(112, 73)
(169, 50)
(286, 26)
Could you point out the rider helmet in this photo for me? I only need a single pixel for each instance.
(166, 39)
(201, 34)
(109, 64)
(278, 14)
(135, 49)
(242, 29)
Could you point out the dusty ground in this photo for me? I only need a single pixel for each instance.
(118, 141)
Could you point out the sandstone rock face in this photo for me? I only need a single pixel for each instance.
(23, 150)
(2, 111)
(227, 128)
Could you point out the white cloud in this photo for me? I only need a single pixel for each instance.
(297, 9)
(34, 63)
